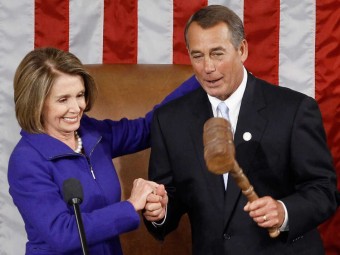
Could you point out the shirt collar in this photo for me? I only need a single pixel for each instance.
(234, 100)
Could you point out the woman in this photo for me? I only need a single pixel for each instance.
(52, 91)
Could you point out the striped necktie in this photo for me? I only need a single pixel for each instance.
(223, 112)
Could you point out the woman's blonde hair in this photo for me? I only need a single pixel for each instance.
(34, 79)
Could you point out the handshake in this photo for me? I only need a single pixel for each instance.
(150, 197)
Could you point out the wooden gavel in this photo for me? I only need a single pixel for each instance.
(219, 155)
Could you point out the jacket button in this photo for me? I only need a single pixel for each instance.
(226, 236)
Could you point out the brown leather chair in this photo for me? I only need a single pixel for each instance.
(131, 91)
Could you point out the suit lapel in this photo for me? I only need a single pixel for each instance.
(201, 112)
(250, 121)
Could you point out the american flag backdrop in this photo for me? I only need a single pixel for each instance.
(291, 43)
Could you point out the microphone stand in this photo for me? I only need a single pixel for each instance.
(75, 203)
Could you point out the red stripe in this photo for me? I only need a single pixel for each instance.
(182, 12)
(327, 93)
(51, 24)
(262, 22)
(120, 31)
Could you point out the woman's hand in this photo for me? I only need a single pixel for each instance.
(140, 191)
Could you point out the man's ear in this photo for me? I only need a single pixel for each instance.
(243, 50)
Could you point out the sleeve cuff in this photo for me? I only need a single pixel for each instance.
(285, 226)
(159, 224)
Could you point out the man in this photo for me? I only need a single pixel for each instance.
(280, 145)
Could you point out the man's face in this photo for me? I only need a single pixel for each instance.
(218, 66)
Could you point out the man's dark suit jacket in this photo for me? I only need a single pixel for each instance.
(287, 158)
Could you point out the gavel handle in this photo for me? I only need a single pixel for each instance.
(248, 190)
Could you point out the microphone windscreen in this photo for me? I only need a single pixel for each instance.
(72, 189)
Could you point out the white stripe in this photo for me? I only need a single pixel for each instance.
(86, 30)
(16, 33)
(236, 5)
(155, 30)
(297, 46)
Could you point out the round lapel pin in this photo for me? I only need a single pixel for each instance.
(247, 136)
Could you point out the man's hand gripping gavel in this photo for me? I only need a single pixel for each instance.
(219, 155)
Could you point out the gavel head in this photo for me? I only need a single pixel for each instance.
(219, 149)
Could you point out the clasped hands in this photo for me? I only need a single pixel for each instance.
(149, 197)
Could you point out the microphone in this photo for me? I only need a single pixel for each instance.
(73, 195)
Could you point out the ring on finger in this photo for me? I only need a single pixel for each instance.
(265, 218)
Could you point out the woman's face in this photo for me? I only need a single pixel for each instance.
(64, 106)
